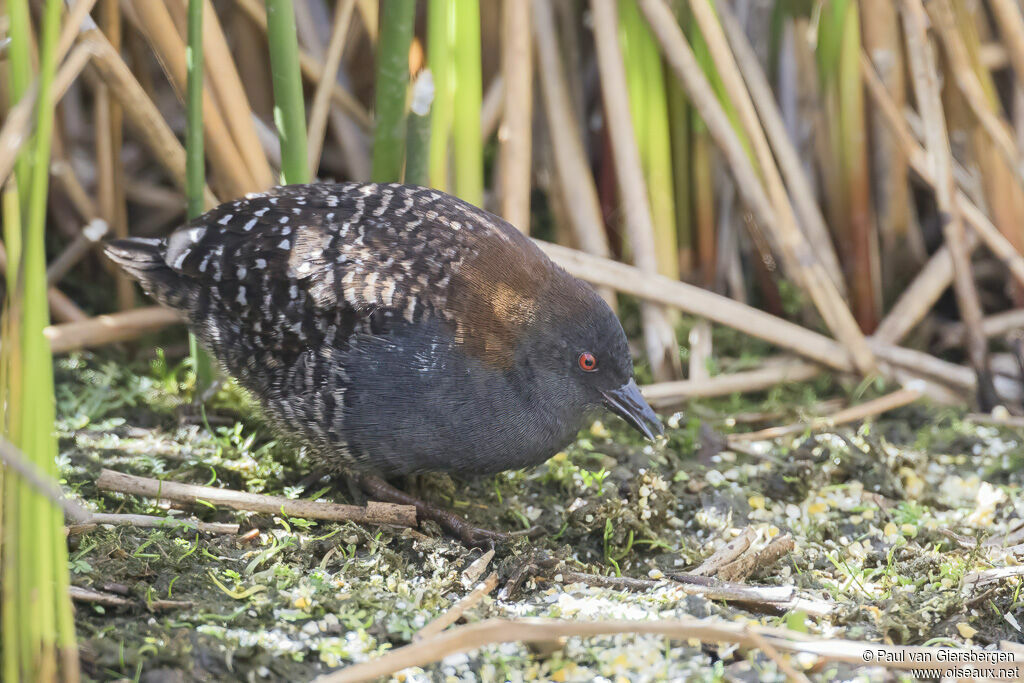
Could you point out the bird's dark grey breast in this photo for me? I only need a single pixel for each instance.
(335, 306)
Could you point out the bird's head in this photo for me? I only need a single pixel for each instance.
(579, 344)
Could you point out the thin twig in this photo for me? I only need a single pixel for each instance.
(373, 513)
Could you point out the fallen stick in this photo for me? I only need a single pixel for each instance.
(492, 631)
(482, 590)
(896, 399)
(150, 522)
(373, 513)
(773, 654)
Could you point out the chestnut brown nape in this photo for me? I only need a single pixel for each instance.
(392, 328)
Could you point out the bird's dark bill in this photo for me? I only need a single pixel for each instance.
(629, 403)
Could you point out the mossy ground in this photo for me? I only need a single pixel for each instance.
(869, 508)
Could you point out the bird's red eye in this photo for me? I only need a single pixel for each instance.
(588, 362)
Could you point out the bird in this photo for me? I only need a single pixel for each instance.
(394, 329)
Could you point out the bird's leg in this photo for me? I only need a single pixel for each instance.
(379, 489)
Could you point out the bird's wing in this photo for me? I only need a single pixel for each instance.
(305, 257)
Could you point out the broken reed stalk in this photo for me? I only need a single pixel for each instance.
(659, 335)
(516, 136)
(372, 513)
(925, 80)
(710, 631)
(896, 399)
(392, 83)
(797, 252)
(417, 136)
(572, 167)
(322, 98)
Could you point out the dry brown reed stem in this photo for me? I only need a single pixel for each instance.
(729, 71)
(322, 98)
(231, 172)
(107, 329)
(901, 365)
(896, 399)
(73, 26)
(140, 111)
(772, 374)
(992, 326)
(349, 136)
(918, 298)
(372, 513)
(230, 94)
(789, 162)
(312, 69)
(929, 99)
(516, 135)
(700, 302)
(710, 631)
(571, 165)
(941, 14)
(492, 107)
(901, 239)
(109, 127)
(1011, 27)
(659, 335)
(797, 253)
(471, 600)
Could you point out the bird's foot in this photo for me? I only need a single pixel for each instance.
(469, 534)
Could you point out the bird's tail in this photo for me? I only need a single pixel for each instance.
(143, 259)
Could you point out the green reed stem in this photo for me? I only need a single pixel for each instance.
(440, 38)
(289, 105)
(396, 27)
(466, 137)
